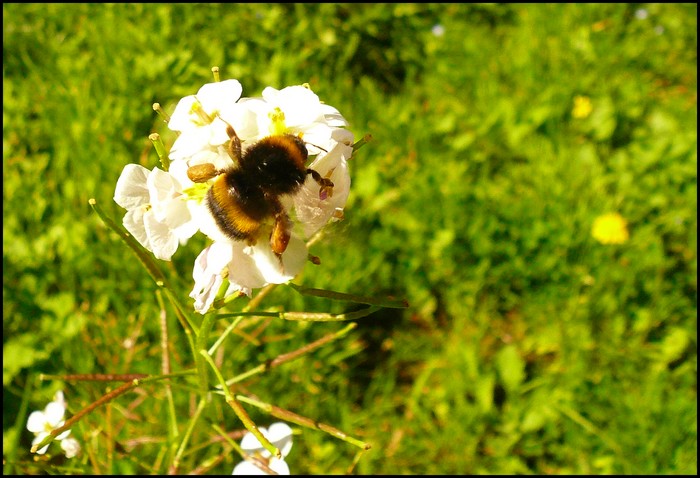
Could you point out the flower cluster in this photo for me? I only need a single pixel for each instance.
(582, 107)
(216, 128)
(610, 228)
(43, 422)
(258, 460)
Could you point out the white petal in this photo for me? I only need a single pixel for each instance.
(163, 242)
(300, 105)
(169, 205)
(252, 121)
(58, 397)
(133, 222)
(243, 117)
(280, 434)
(131, 191)
(279, 466)
(182, 119)
(318, 138)
(162, 189)
(293, 260)
(161, 186)
(343, 136)
(38, 439)
(218, 95)
(205, 295)
(36, 422)
(218, 132)
(243, 270)
(207, 275)
(189, 228)
(333, 117)
(190, 142)
(53, 413)
(251, 444)
(178, 170)
(247, 468)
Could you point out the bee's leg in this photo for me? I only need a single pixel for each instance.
(325, 183)
(201, 173)
(234, 145)
(281, 230)
(281, 233)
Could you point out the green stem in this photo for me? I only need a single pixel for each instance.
(388, 302)
(160, 150)
(188, 433)
(228, 439)
(361, 142)
(201, 344)
(225, 333)
(288, 357)
(20, 420)
(239, 410)
(286, 415)
(307, 316)
(172, 414)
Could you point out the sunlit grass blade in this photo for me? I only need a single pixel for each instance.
(289, 356)
(326, 317)
(239, 410)
(292, 417)
(387, 302)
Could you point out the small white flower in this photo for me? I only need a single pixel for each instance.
(641, 14)
(70, 447)
(43, 422)
(295, 110)
(202, 119)
(300, 105)
(280, 435)
(438, 30)
(158, 215)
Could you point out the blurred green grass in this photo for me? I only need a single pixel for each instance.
(528, 348)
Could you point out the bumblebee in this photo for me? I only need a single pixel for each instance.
(246, 195)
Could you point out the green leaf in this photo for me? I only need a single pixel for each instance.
(511, 367)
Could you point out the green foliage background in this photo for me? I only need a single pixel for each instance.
(528, 347)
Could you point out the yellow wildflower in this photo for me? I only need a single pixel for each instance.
(610, 228)
(582, 107)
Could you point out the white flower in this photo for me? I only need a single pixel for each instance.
(295, 110)
(202, 119)
(158, 215)
(245, 267)
(70, 447)
(280, 435)
(164, 209)
(438, 30)
(42, 423)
